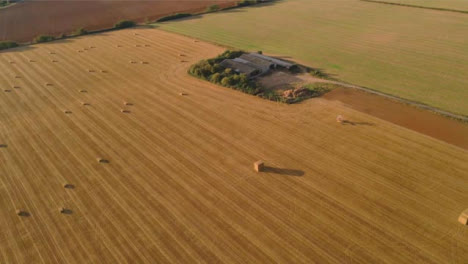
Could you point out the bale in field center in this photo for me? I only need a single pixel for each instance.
(101, 160)
(21, 213)
(339, 119)
(259, 166)
(463, 218)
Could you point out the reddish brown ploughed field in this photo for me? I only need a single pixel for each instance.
(105, 159)
(25, 20)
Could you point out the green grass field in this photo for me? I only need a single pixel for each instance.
(448, 4)
(413, 53)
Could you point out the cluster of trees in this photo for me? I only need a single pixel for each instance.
(7, 45)
(212, 71)
(43, 38)
(124, 24)
(248, 2)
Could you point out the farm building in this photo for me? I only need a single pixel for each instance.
(240, 67)
(254, 64)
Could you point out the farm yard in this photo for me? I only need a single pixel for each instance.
(112, 153)
(28, 19)
(368, 44)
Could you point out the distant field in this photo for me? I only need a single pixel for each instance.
(180, 187)
(417, 54)
(27, 19)
(447, 4)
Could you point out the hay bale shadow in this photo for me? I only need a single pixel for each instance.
(348, 122)
(68, 186)
(23, 213)
(65, 211)
(283, 171)
(101, 160)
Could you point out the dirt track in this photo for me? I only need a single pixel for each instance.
(180, 186)
(452, 131)
(25, 20)
(383, 106)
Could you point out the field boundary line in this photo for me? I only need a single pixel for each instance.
(417, 6)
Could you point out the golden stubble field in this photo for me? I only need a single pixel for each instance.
(179, 185)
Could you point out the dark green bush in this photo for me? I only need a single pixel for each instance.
(43, 38)
(7, 45)
(247, 2)
(80, 31)
(4, 3)
(212, 8)
(124, 24)
(175, 16)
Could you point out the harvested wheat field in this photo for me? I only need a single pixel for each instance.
(172, 180)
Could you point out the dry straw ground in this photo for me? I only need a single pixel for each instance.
(179, 185)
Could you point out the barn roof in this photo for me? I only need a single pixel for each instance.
(257, 61)
(238, 66)
(272, 60)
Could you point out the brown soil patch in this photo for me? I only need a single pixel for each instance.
(425, 122)
(28, 19)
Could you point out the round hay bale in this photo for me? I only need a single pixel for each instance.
(7, 90)
(16, 87)
(89, 70)
(68, 186)
(17, 77)
(51, 52)
(54, 60)
(103, 71)
(127, 103)
(137, 46)
(48, 84)
(132, 61)
(3, 145)
(147, 45)
(144, 62)
(67, 111)
(118, 46)
(102, 160)
(83, 91)
(31, 61)
(339, 119)
(125, 111)
(85, 104)
(11, 62)
(21, 212)
(182, 94)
